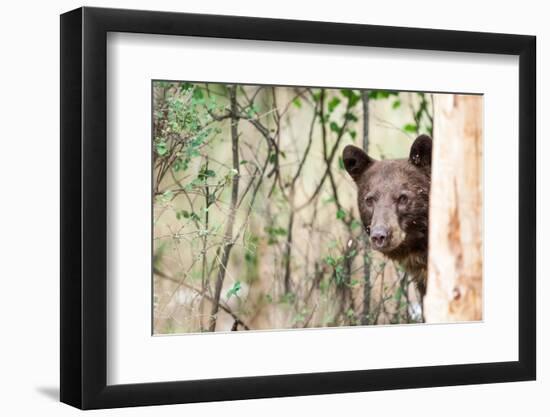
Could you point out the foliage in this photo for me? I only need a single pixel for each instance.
(255, 218)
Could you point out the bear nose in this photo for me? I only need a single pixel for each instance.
(380, 236)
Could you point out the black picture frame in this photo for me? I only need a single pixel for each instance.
(84, 207)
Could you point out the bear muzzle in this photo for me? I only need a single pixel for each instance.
(380, 237)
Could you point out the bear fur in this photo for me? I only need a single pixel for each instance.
(393, 198)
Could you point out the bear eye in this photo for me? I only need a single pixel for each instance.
(403, 199)
(369, 201)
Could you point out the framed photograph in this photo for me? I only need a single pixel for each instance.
(257, 208)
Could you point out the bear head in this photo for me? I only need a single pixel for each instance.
(393, 198)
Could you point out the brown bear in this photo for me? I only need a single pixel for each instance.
(393, 198)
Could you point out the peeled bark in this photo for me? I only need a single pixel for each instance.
(455, 261)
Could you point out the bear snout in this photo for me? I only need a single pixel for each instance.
(380, 237)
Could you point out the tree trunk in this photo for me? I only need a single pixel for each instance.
(366, 316)
(228, 235)
(455, 258)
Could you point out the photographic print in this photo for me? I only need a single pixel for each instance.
(375, 188)
(290, 207)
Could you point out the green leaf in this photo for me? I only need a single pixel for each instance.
(334, 127)
(198, 94)
(204, 174)
(353, 98)
(353, 134)
(230, 175)
(276, 231)
(353, 283)
(234, 289)
(346, 92)
(297, 102)
(250, 257)
(339, 274)
(351, 117)
(182, 214)
(398, 293)
(340, 214)
(410, 127)
(252, 111)
(396, 104)
(333, 104)
(381, 94)
(165, 197)
(187, 215)
(330, 260)
(161, 147)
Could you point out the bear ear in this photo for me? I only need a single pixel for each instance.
(421, 152)
(356, 161)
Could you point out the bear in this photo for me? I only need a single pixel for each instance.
(393, 197)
